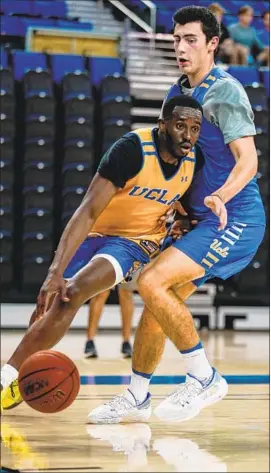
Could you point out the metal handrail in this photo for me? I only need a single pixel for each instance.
(132, 16)
(153, 18)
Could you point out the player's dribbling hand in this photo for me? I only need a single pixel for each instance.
(180, 227)
(53, 284)
(216, 205)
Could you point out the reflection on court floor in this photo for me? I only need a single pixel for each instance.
(232, 435)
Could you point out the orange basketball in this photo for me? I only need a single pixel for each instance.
(49, 381)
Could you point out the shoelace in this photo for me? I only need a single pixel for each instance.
(119, 401)
(12, 391)
(185, 392)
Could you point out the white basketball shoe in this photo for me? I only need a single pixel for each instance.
(191, 397)
(122, 408)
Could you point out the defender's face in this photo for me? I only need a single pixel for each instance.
(192, 51)
(183, 130)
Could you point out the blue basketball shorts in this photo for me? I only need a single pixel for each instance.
(222, 253)
(124, 255)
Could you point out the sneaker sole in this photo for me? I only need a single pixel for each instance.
(12, 406)
(121, 420)
(172, 416)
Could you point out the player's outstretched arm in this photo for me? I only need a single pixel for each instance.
(97, 197)
(244, 170)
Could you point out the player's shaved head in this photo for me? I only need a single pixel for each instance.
(175, 104)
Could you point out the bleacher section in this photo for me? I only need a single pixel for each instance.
(50, 150)
(166, 8)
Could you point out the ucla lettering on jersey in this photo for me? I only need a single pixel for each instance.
(155, 194)
(135, 210)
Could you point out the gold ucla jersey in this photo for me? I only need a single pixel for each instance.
(135, 210)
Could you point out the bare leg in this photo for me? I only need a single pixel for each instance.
(243, 53)
(156, 288)
(95, 277)
(127, 309)
(150, 338)
(35, 316)
(96, 306)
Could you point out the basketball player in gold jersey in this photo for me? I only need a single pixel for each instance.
(116, 229)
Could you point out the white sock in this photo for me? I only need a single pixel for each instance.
(8, 374)
(197, 363)
(139, 386)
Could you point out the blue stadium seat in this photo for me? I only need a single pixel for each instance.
(265, 72)
(102, 66)
(6, 218)
(38, 196)
(38, 23)
(50, 8)
(245, 74)
(74, 25)
(6, 148)
(72, 198)
(37, 220)
(12, 26)
(3, 59)
(37, 243)
(76, 175)
(24, 61)
(114, 86)
(17, 7)
(6, 242)
(64, 63)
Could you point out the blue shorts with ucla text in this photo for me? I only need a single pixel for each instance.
(221, 253)
(125, 255)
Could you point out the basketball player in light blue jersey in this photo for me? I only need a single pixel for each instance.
(230, 229)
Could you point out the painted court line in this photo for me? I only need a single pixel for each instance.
(117, 380)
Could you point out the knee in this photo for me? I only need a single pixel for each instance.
(74, 293)
(146, 282)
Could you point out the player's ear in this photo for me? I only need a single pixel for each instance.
(213, 43)
(161, 125)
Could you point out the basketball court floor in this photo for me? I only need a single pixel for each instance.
(231, 436)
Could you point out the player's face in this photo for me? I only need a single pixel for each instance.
(182, 130)
(192, 51)
(266, 21)
(246, 18)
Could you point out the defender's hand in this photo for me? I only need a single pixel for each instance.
(170, 213)
(216, 205)
(53, 284)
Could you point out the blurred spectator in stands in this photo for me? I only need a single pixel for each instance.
(226, 44)
(96, 306)
(264, 36)
(244, 37)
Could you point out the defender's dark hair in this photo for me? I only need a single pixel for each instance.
(209, 23)
(181, 101)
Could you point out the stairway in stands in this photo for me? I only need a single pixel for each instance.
(95, 12)
(151, 69)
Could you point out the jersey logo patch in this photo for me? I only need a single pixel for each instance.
(149, 246)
